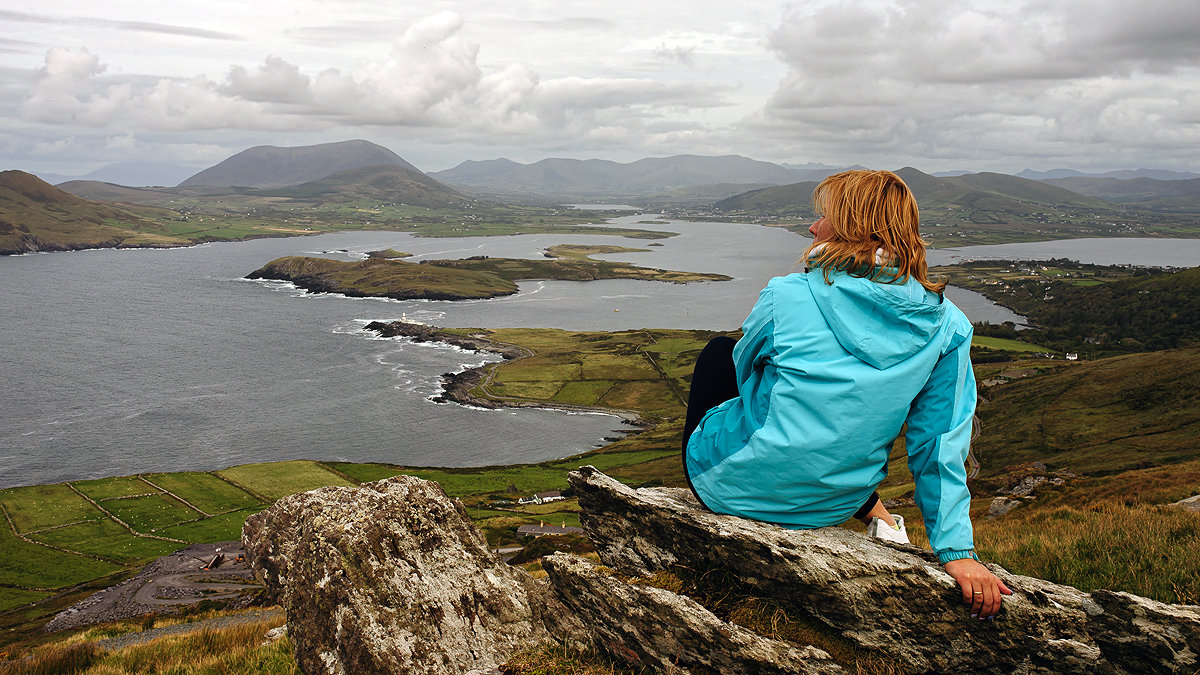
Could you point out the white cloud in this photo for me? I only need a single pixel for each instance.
(275, 80)
(431, 78)
(929, 79)
(996, 84)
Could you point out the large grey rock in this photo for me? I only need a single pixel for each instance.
(893, 598)
(392, 577)
(653, 627)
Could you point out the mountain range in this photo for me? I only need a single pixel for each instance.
(1124, 174)
(264, 182)
(1146, 193)
(593, 178)
(137, 174)
(975, 190)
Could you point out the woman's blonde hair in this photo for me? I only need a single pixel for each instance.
(866, 211)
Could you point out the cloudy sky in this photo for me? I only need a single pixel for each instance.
(965, 84)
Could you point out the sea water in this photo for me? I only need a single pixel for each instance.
(125, 361)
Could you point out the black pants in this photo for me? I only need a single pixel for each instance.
(714, 381)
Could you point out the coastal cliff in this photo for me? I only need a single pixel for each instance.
(392, 577)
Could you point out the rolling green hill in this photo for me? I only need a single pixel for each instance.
(991, 191)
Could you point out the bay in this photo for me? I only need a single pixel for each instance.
(125, 361)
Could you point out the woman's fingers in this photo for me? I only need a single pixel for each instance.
(991, 602)
(968, 592)
(983, 592)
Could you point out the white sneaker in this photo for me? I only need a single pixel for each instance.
(881, 530)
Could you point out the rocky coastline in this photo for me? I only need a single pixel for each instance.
(457, 387)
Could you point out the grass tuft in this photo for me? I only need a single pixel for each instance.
(232, 650)
(558, 659)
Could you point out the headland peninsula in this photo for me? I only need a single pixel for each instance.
(470, 278)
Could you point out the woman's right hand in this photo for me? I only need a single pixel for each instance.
(982, 591)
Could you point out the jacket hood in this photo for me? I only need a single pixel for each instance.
(881, 324)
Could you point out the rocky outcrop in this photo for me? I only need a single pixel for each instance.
(655, 627)
(892, 598)
(392, 577)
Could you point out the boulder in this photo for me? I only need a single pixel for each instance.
(887, 597)
(392, 577)
(1000, 506)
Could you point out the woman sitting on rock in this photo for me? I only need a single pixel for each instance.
(793, 424)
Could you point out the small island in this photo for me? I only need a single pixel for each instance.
(468, 279)
(388, 254)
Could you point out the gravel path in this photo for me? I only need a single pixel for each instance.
(122, 641)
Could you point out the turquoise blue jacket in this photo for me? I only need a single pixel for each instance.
(828, 374)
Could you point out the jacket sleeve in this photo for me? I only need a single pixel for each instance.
(938, 440)
(754, 349)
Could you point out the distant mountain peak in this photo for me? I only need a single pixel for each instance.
(272, 166)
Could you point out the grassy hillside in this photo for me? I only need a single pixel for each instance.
(37, 216)
(478, 277)
(1098, 417)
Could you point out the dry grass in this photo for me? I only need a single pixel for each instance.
(562, 660)
(233, 650)
(1153, 551)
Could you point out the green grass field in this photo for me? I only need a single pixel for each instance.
(205, 491)
(1005, 344)
(279, 479)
